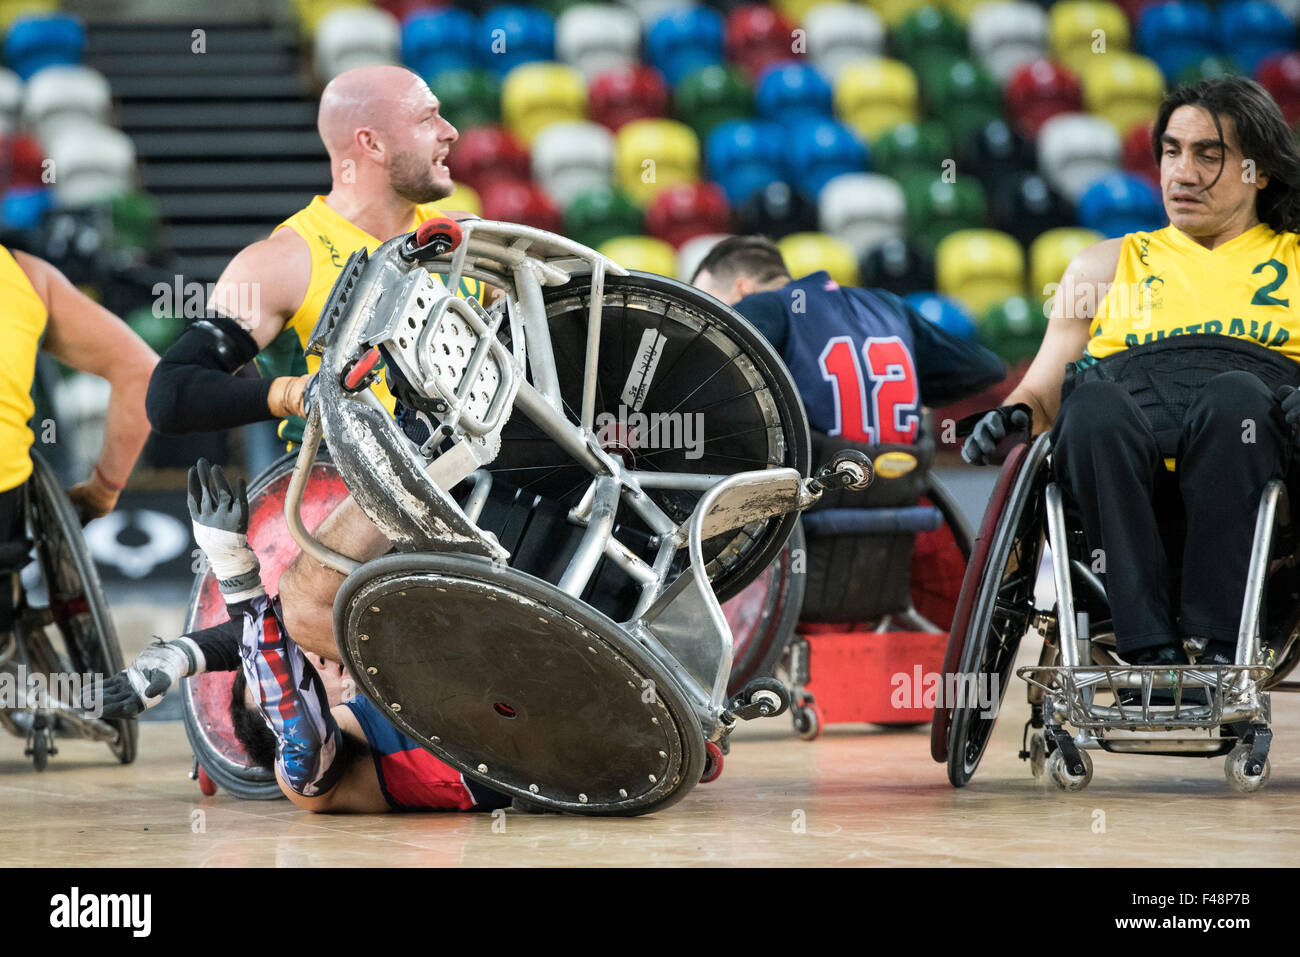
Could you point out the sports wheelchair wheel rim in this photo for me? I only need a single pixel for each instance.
(75, 593)
(720, 369)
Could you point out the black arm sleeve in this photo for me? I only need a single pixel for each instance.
(949, 369)
(766, 314)
(220, 645)
(192, 388)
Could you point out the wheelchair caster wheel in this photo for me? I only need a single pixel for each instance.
(1063, 777)
(856, 468)
(40, 742)
(712, 763)
(808, 721)
(1235, 769)
(1037, 754)
(207, 786)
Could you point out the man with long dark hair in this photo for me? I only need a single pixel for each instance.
(1162, 368)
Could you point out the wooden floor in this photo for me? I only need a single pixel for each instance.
(858, 796)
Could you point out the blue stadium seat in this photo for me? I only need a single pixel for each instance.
(34, 42)
(790, 92)
(684, 40)
(1176, 34)
(23, 207)
(821, 149)
(1254, 29)
(946, 313)
(1120, 203)
(511, 35)
(424, 41)
(743, 156)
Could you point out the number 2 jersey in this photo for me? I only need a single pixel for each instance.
(1167, 284)
(863, 360)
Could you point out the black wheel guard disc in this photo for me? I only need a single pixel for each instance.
(517, 685)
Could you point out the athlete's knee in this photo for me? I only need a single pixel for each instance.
(1098, 412)
(1233, 398)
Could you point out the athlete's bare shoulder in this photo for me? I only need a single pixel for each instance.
(1099, 261)
(265, 283)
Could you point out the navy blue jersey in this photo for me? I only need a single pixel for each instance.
(863, 360)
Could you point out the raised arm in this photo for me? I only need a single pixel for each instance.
(86, 336)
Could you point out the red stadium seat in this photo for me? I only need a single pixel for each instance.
(680, 213)
(24, 157)
(620, 96)
(1137, 153)
(757, 36)
(1038, 91)
(519, 201)
(1133, 8)
(488, 152)
(1280, 75)
(404, 8)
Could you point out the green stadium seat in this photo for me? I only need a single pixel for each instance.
(713, 95)
(912, 147)
(469, 97)
(137, 222)
(927, 32)
(1014, 329)
(936, 207)
(597, 216)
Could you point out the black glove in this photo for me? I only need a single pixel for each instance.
(986, 431)
(1289, 397)
(160, 666)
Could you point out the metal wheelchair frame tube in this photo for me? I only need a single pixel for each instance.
(293, 500)
(1061, 576)
(600, 525)
(1248, 636)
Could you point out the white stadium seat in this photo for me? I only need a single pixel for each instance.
(862, 209)
(356, 36)
(571, 158)
(693, 251)
(594, 38)
(58, 95)
(1007, 35)
(1074, 149)
(91, 162)
(839, 33)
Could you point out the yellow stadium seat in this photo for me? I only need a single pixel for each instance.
(796, 10)
(464, 198)
(894, 12)
(535, 95)
(875, 95)
(979, 267)
(11, 10)
(650, 155)
(807, 253)
(312, 12)
(1074, 31)
(641, 252)
(961, 9)
(1123, 88)
(1051, 253)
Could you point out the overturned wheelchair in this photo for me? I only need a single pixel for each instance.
(576, 477)
(1082, 696)
(57, 640)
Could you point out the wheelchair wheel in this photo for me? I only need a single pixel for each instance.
(993, 611)
(205, 699)
(75, 596)
(518, 685)
(671, 352)
(763, 616)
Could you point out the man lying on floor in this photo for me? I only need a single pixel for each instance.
(283, 713)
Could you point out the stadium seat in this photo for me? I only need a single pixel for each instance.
(875, 95)
(979, 267)
(758, 36)
(310, 13)
(821, 149)
(680, 213)
(926, 33)
(42, 40)
(897, 266)
(1038, 91)
(1207, 68)
(651, 10)
(1074, 149)
(463, 197)
(1280, 75)
(25, 159)
(11, 100)
(776, 210)
(1253, 30)
(1025, 205)
(519, 201)
(936, 207)
(693, 252)
(24, 207)
(894, 12)
(963, 95)
(789, 92)
(424, 41)
(1138, 157)
(1176, 33)
(1051, 253)
(839, 33)
(862, 210)
(995, 151)
(137, 222)
(744, 156)
(1120, 203)
(963, 10)
(487, 152)
(650, 155)
(1082, 29)
(1123, 88)
(713, 95)
(65, 94)
(535, 95)
(512, 35)
(469, 98)
(355, 36)
(795, 10)
(599, 215)
(946, 313)
(571, 158)
(912, 147)
(1004, 36)
(11, 10)
(617, 97)
(641, 252)
(596, 37)
(810, 252)
(1014, 329)
(93, 162)
(683, 40)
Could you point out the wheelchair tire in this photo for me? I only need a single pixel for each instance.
(76, 595)
(204, 698)
(997, 590)
(758, 649)
(710, 362)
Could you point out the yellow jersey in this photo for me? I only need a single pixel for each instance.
(21, 329)
(1167, 284)
(331, 240)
